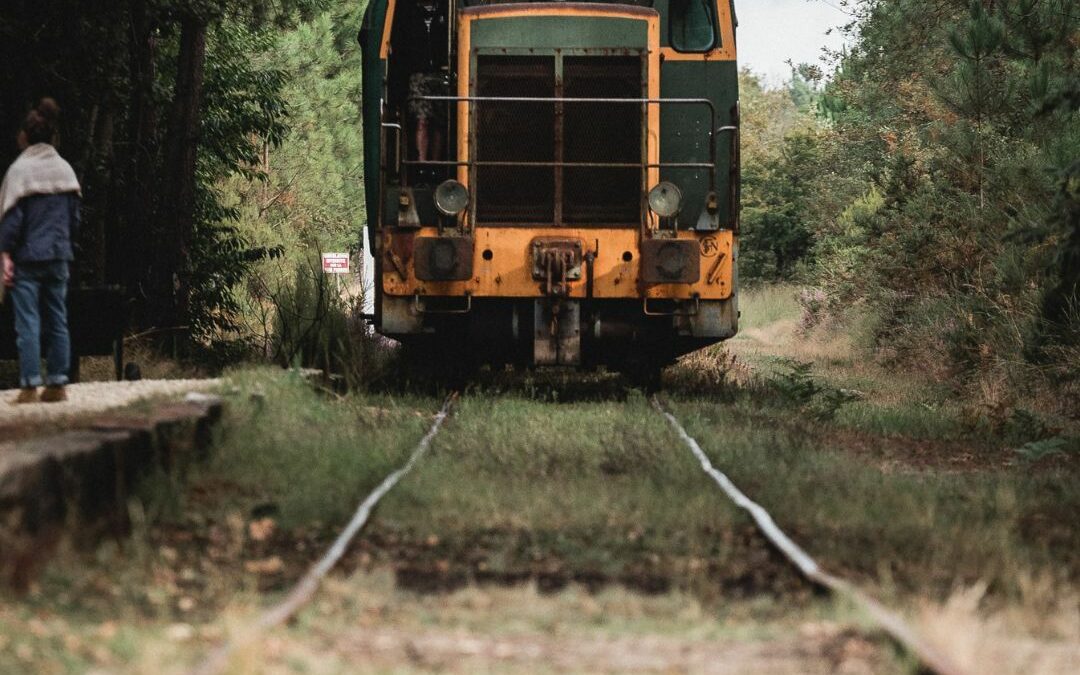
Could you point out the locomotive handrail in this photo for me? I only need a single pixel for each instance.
(397, 152)
(713, 134)
(572, 165)
(566, 99)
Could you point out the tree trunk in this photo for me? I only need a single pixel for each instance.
(97, 171)
(177, 208)
(130, 244)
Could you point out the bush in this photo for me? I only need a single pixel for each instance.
(317, 322)
(944, 187)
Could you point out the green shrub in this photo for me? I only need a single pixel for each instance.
(318, 323)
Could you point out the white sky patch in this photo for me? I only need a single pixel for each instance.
(773, 31)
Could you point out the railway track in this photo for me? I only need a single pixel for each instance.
(305, 589)
(893, 625)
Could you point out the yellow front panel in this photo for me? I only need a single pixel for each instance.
(509, 272)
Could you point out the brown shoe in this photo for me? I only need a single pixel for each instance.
(54, 394)
(27, 395)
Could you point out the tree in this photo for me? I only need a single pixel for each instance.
(152, 124)
(959, 121)
(778, 211)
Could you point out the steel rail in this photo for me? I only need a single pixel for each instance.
(930, 657)
(305, 589)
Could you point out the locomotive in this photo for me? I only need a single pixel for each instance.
(553, 183)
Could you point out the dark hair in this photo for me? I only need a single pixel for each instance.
(42, 123)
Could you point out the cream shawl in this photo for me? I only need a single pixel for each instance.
(39, 170)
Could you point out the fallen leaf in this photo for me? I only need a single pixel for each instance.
(179, 632)
(261, 529)
(272, 565)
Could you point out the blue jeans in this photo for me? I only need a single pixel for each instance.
(40, 301)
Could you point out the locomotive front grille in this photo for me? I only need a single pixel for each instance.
(563, 162)
(515, 132)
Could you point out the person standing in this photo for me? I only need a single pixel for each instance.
(428, 77)
(39, 219)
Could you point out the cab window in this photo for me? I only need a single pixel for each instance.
(693, 25)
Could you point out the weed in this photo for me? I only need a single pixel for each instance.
(310, 319)
(1033, 451)
(1023, 426)
(713, 372)
(799, 387)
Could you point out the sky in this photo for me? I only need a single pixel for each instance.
(773, 31)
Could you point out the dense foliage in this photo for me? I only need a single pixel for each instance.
(161, 100)
(939, 187)
(310, 194)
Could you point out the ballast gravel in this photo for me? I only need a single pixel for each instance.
(95, 397)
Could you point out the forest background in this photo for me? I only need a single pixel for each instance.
(923, 185)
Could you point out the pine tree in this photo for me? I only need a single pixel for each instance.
(974, 91)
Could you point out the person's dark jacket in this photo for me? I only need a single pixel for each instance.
(41, 228)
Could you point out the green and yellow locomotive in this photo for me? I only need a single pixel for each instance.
(557, 183)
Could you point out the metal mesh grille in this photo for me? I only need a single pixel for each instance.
(559, 135)
(602, 133)
(515, 132)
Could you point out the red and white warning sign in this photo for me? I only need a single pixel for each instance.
(335, 263)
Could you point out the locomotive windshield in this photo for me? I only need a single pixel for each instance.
(693, 25)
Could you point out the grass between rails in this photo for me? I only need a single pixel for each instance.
(519, 489)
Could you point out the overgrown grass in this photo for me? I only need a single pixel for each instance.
(777, 339)
(925, 531)
(540, 482)
(587, 490)
(766, 305)
(514, 462)
(311, 456)
(877, 471)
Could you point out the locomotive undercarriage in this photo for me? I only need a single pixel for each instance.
(561, 332)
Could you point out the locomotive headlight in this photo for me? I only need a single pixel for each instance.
(443, 258)
(451, 197)
(665, 199)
